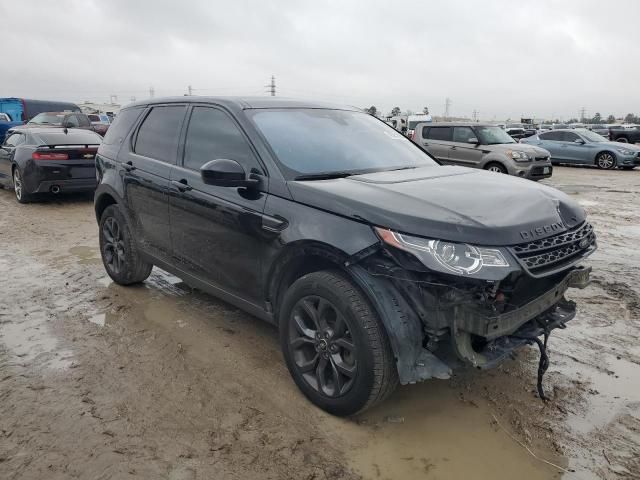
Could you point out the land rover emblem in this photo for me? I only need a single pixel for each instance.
(584, 243)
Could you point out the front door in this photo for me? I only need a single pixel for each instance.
(462, 152)
(147, 164)
(217, 231)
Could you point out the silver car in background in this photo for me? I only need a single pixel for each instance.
(483, 146)
(583, 147)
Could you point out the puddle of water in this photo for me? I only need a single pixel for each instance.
(98, 319)
(86, 255)
(29, 340)
(588, 203)
(426, 431)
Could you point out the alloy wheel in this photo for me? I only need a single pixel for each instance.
(321, 346)
(113, 245)
(606, 160)
(495, 169)
(17, 184)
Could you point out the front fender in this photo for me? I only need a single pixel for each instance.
(403, 327)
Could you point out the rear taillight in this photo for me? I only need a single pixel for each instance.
(413, 135)
(49, 156)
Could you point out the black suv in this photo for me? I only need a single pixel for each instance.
(375, 262)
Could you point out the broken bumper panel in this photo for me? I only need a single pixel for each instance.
(504, 324)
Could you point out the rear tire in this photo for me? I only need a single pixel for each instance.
(334, 344)
(120, 255)
(605, 161)
(622, 140)
(495, 167)
(18, 187)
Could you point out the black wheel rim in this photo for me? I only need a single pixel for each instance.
(113, 245)
(322, 347)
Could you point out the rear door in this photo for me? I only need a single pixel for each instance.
(147, 161)
(462, 152)
(438, 141)
(217, 231)
(576, 152)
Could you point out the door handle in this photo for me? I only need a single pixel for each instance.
(182, 185)
(128, 166)
(454, 147)
(426, 144)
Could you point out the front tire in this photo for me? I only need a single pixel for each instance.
(496, 168)
(120, 255)
(334, 344)
(605, 160)
(622, 140)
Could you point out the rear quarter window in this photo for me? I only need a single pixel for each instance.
(158, 135)
(118, 131)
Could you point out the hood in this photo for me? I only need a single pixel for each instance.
(519, 147)
(447, 202)
(617, 145)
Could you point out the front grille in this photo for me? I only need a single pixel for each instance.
(547, 255)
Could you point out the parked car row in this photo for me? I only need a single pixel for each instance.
(379, 263)
(582, 146)
(483, 146)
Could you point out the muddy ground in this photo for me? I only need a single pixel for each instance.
(99, 381)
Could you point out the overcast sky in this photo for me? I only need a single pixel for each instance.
(502, 58)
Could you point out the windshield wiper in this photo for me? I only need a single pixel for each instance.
(324, 175)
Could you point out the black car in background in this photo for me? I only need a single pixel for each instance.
(377, 264)
(40, 160)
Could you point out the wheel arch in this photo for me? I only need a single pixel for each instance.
(296, 260)
(401, 324)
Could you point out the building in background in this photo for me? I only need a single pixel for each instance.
(110, 109)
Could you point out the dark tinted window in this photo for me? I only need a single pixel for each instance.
(212, 134)
(554, 136)
(121, 126)
(72, 137)
(438, 133)
(463, 134)
(158, 135)
(569, 137)
(94, 118)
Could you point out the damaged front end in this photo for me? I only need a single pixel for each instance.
(442, 309)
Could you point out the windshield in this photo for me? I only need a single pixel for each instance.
(592, 136)
(318, 141)
(47, 119)
(493, 136)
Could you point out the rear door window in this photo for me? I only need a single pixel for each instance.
(553, 136)
(159, 132)
(569, 136)
(463, 134)
(83, 120)
(438, 133)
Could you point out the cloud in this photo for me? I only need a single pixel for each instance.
(503, 58)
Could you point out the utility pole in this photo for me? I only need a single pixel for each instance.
(272, 86)
(151, 92)
(447, 106)
(476, 116)
(190, 90)
(583, 112)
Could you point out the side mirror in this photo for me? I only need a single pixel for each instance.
(223, 172)
(473, 140)
(579, 141)
(67, 125)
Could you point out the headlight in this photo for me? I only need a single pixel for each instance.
(450, 257)
(625, 151)
(519, 156)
